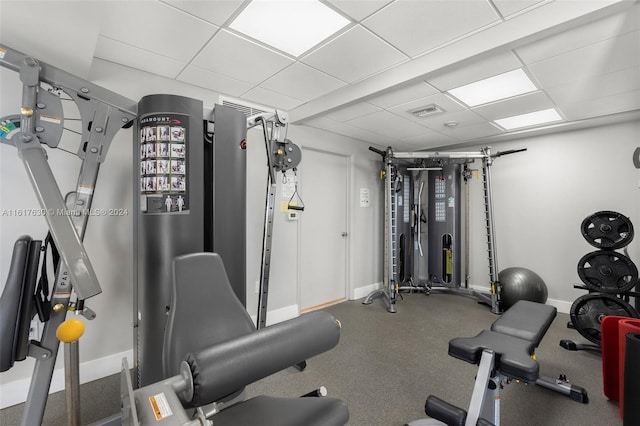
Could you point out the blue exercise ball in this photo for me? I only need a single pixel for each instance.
(521, 284)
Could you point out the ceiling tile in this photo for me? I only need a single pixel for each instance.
(359, 9)
(440, 99)
(476, 70)
(158, 28)
(352, 111)
(217, 12)
(354, 55)
(403, 95)
(509, 7)
(600, 86)
(430, 139)
(62, 34)
(517, 105)
(388, 124)
(120, 53)
(600, 58)
(254, 65)
(272, 99)
(302, 82)
(463, 118)
(614, 104)
(581, 36)
(473, 131)
(212, 81)
(415, 27)
(350, 131)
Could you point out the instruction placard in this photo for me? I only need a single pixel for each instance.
(163, 163)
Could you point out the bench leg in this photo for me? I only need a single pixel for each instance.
(562, 386)
(485, 401)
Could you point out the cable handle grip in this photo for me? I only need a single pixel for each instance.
(377, 151)
(507, 152)
(298, 208)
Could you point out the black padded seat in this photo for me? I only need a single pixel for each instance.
(526, 320)
(513, 355)
(271, 411)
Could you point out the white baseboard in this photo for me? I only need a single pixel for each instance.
(16, 392)
(278, 315)
(360, 292)
(561, 305)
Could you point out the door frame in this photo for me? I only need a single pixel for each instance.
(347, 259)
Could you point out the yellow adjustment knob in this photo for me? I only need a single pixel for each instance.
(70, 330)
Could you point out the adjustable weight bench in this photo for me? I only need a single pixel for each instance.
(503, 353)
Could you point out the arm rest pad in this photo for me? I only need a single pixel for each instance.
(224, 368)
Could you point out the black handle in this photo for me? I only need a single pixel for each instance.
(377, 151)
(510, 151)
(299, 208)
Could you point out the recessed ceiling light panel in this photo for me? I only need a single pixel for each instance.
(494, 88)
(530, 119)
(293, 26)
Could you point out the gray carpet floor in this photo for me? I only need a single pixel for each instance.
(387, 364)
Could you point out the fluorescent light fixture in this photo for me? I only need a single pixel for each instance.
(293, 26)
(531, 119)
(494, 88)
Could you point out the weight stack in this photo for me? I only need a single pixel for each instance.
(631, 415)
(190, 198)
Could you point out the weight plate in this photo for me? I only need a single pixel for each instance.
(607, 230)
(607, 271)
(588, 311)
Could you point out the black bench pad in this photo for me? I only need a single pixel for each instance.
(513, 355)
(526, 320)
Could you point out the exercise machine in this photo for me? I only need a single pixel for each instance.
(41, 122)
(423, 207)
(503, 354)
(157, 134)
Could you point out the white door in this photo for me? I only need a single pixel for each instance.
(323, 229)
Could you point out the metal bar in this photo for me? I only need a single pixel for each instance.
(391, 217)
(496, 290)
(58, 218)
(480, 388)
(263, 292)
(13, 59)
(72, 382)
(436, 155)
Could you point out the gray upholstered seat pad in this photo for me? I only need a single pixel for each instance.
(526, 320)
(270, 411)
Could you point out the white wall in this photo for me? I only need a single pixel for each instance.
(108, 240)
(542, 195)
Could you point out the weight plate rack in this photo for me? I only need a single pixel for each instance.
(609, 276)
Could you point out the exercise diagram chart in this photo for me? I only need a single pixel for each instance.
(163, 163)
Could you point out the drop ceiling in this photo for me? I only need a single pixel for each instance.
(364, 81)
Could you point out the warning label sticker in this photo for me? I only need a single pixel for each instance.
(160, 406)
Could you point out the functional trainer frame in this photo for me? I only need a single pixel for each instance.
(41, 121)
(455, 162)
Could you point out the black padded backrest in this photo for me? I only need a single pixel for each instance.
(11, 302)
(204, 310)
(26, 313)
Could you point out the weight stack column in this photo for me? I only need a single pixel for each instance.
(169, 183)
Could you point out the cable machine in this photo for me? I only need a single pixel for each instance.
(41, 121)
(423, 234)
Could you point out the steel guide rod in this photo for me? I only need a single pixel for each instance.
(103, 113)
